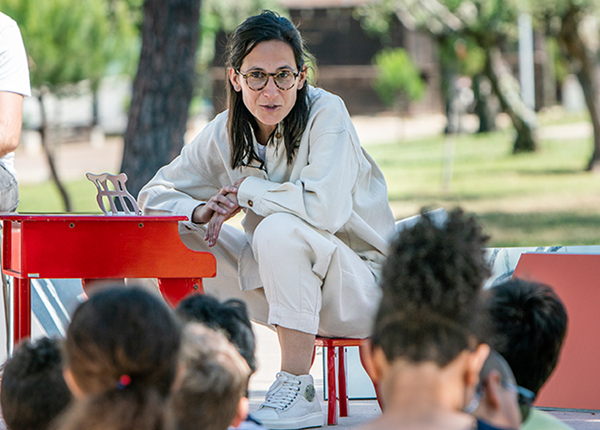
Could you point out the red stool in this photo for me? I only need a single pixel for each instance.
(337, 387)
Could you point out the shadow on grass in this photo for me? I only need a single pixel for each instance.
(551, 172)
(541, 229)
(442, 199)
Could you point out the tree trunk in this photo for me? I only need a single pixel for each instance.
(484, 108)
(162, 89)
(50, 156)
(95, 87)
(583, 57)
(449, 72)
(506, 89)
(450, 96)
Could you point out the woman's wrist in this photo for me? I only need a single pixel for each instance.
(197, 214)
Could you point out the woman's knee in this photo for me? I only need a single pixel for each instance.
(283, 237)
(280, 234)
(279, 226)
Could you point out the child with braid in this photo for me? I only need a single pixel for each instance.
(121, 357)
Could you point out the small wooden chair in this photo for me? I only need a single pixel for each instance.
(337, 385)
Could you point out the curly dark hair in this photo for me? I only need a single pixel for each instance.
(529, 323)
(33, 391)
(431, 283)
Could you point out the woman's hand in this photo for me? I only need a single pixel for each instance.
(217, 210)
(214, 225)
(219, 204)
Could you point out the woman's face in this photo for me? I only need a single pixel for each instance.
(269, 105)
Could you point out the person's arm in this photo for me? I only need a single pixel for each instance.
(196, 182)
(11, 115)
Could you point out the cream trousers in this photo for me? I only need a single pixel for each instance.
(308, 279)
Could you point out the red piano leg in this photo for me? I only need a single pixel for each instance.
(342, 382)
(175, 289)
(22, 310)
(332, 411)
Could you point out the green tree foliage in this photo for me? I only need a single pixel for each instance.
(69, 41)
(398, 77)
(489, 24)
(574, 24)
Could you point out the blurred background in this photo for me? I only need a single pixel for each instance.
(488, 104)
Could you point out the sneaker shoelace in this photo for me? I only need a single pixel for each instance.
(283, 393)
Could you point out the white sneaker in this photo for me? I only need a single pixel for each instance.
(291, 403)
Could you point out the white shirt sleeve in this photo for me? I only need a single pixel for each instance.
(14, 72)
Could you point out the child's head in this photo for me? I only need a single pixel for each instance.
(121, 355)
(230, 317)
(33, 391)
(498, 394)
(211, 392)
(431, 284)
(529, 324)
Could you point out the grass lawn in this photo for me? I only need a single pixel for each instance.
(45, 198)
(540, 199)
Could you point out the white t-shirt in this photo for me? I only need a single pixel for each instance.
(262, 151)
(14, 73)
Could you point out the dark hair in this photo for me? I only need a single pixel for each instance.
(254, 30)
(230, 316)
(214, 380)
(33, 391)
(431, 283)
(122, 349)
(529, 323)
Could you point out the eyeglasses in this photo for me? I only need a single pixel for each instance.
(525, 397)
(257, 80)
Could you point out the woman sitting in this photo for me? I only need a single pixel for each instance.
(317, 219)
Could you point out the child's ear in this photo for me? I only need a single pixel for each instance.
(492, 388)
(242, 412)
(366, 357)
(72, 384)
(179, 376)
(475, 363)
(380, 365)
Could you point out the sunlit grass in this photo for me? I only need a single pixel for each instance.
(45, 197)
(541, 198)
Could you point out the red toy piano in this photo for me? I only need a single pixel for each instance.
(98, 247)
